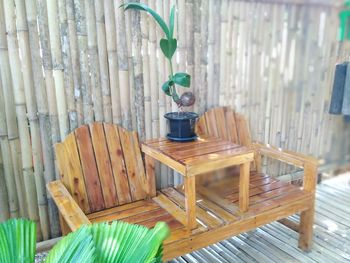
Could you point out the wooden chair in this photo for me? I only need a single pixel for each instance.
(223, 122)
(103, 179)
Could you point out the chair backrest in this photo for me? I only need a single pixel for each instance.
(225, 123)
(101, 166)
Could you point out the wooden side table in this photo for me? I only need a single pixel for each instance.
(204, 155)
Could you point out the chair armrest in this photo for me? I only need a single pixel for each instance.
(68, 208)
(308, 163)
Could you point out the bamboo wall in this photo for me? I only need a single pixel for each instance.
(68, 62)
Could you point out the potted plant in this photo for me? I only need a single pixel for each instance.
(181, 123)
(101, 242)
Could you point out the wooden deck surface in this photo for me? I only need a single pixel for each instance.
(277, 243)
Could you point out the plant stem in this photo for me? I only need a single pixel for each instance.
(173, 88)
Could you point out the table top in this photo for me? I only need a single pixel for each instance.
(196, 157)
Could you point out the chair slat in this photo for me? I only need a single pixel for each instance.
(231, 125)
(75, 173)
(210, 119)
(201, 127)
(103, 164)
(89, 166)
(118, 163)
(221, 123)
(243, 130)
(62, 161)
(132, 164)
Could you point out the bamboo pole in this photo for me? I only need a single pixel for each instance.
(74, 57)
(79, 15)
(123, 66)
(48, 71)
(18, 87)
(10, 113)
(196, 52)
(6, 175)
(154, 84)
(103, 60)
(148, 91)
(112, 60)
(57, 63)
(189, 44)
(140, 85)
(93, 60)
(32, 110)
(67, 64)
(43, 111)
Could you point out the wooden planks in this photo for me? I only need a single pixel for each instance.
(103, 164)
(89, 166)
(118, 164)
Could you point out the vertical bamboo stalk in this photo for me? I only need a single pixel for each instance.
(202, 98)
(67, 66)
(154, 84)
(6, 174)
(57, 64)
(32, 110)
(10, 113)
(79, 14)
(137, 63)
(148, 94)
(95, 82)
(189, 43)
(112, 59)
(18, 86)
(48, 71)
(223, 41)
(103, 60)
(43, 112)
(123, 66)
(196, 52)
(74, 59)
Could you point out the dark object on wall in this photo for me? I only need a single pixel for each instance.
(347, 118)
(338, 89)
(346, 96)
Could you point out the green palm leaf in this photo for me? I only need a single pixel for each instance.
(75, 247)
(156, 16)
(17, 241)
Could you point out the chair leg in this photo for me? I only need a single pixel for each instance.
(306, 229)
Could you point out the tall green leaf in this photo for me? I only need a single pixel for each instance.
(17, 241)
(156, 16)
(172, 22)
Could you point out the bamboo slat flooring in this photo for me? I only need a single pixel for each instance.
(277, 243)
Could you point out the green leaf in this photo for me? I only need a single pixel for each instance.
(17, 241)
(166, 87)
(75, 247)
(156, 16)
(171, 22)
(168, 46)
(182, 79)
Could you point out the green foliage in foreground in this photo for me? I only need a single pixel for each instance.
(103, 242)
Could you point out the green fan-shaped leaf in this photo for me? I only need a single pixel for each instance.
(17, 241)
(171, 22)
(182, 79)
(156, 16)
(168, 47)
(75, 247)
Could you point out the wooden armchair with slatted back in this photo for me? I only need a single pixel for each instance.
(224, 123)
(103, 179)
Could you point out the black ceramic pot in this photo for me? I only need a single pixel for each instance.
(181, 125)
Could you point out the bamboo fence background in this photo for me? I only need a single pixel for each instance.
(64, 63)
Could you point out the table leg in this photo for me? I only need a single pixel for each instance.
(190, 202)
(150, 177)
(244, 172)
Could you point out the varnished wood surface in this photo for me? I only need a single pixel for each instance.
(202, 155)
(275, 242)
